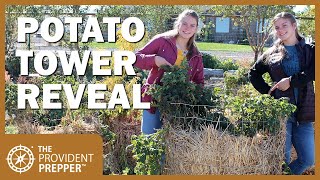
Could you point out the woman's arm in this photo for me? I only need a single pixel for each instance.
(147, 55)
(255, 76)
(198, 69)
(199, 77)
(302, 78)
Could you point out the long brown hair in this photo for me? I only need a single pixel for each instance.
(191, 45)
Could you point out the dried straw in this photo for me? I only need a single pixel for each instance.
(209, 151)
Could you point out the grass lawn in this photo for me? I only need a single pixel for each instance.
(106, 45)
(203, 46)
(208, 46)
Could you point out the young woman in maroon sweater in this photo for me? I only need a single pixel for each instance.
(169, 48)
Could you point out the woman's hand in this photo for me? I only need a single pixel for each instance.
(160, 61)
(282, 85)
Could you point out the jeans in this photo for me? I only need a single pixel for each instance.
(301, 136)
(150, 122)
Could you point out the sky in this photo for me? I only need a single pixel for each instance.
(299, 8)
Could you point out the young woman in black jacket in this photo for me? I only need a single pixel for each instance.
(291, 65)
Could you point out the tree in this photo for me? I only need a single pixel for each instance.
(157, 17)
(110, 11)
(12, 63)
(62, 11)
(307, 21)
(38, 12)
(249, 16)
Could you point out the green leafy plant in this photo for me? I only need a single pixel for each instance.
(267, 79)
(233, 81)
(184, 103)
(228, 64)
(175, 87)
(52, 117)
(210, 61)
(11, 91)
(107, 134)
(258, 114)
(214, 62)
(148, 151)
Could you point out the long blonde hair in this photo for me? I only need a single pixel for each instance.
(174, 33)
(278, 44)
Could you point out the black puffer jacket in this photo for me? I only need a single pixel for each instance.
(271, 62)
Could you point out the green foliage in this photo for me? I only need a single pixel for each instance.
(120, 113)
(123, 44)
(59, 79)
(11, 100)
(253, 14)
(214, 62)
(233, 81)
(156, 17)
(48, 117)
(109, 11)
(107, 134)
(52, 117)
(148, 150)
(211, 46)
(184, 103)
(176, 88)
(207, 31)
(228, 64)
(126, 171)
(127, 81)
(11, 129)
(267, 79)
(11, 105)
(307, 26)
(12, 63)
(210, 61)
(286, 169)
(247, 91)
(259, 114)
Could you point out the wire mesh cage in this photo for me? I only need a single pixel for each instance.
(204, 140)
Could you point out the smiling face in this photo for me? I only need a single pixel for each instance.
(285, 30)
(187, 27)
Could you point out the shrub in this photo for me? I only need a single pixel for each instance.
(228, 64)
(13, 66)
(148, 151)
(214, 62)
(210, 61)
(52, 117)
(11, 104)
(246, 91)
